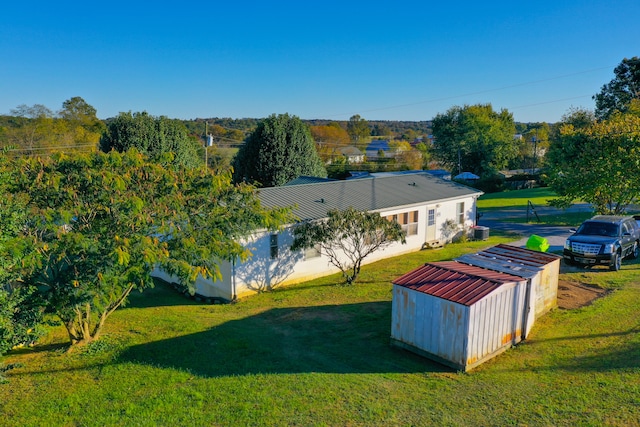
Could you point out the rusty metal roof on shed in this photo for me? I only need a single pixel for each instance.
(456, 282)
(313, 201)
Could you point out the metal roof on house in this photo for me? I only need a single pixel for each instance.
(350, 151)
(456, 282)
(313, 201)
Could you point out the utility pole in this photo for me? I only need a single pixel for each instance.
(206, 145)
(535, 152)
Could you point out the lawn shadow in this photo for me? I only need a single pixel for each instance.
(351, 338)
(162, 294)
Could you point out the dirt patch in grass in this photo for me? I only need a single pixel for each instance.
(575, 295)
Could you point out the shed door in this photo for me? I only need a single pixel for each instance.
(431, 224)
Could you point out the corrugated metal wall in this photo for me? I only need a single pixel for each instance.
(495, 323)
(431, 324)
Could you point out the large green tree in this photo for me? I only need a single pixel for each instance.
(101, 223)
(32, 129)
(598, 162)
(618, 93)
(358, 128)
(474, 138)
(154, 137)
(279, 150)
(347, 237)
(36, 129)
(329, 139)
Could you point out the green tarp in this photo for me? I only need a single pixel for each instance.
(537, 243)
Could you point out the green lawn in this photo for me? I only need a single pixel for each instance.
(318, 354)
(539, 196)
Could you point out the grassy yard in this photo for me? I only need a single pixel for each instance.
(318, 354)
(539, 196)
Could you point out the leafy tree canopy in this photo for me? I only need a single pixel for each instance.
(154, 137)
(475, 139)
(358, 128)
(347, 237)
(618, 93)
(278, 151)
(37, 129)
(98, 224)
(597, 162)
(21, 310)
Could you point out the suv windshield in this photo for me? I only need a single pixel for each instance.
(598, 229)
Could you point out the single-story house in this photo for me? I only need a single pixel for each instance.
(352, 154)
(420, 202)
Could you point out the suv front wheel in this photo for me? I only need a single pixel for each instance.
(616, 262)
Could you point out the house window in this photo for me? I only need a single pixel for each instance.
(313, 252)
(273, 245)
(408, 221)
(460, 212)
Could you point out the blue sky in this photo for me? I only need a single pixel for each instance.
(326, 60)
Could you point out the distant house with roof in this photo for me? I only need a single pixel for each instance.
(420, 202)
(352, 154)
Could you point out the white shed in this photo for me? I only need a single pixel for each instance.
(457, 314)
(540, 269)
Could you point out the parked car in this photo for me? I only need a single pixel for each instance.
(603, 240)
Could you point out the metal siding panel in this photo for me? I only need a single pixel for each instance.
(472, 342)
(431, 324)
(409, 319)
(508, 328)
(438, 325)
(450, 334)
(493, 307)
(420, 322)
(396, 312)
(482, 325)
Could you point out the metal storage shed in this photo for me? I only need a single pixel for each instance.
(457, 314)
(541, 270)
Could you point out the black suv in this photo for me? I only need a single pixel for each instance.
(603, 240)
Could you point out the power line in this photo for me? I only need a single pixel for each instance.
(447, 98)
(54, 147)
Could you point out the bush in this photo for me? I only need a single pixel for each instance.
(21, 313)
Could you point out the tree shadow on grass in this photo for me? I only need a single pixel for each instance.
(163, 294)
(352, 338)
